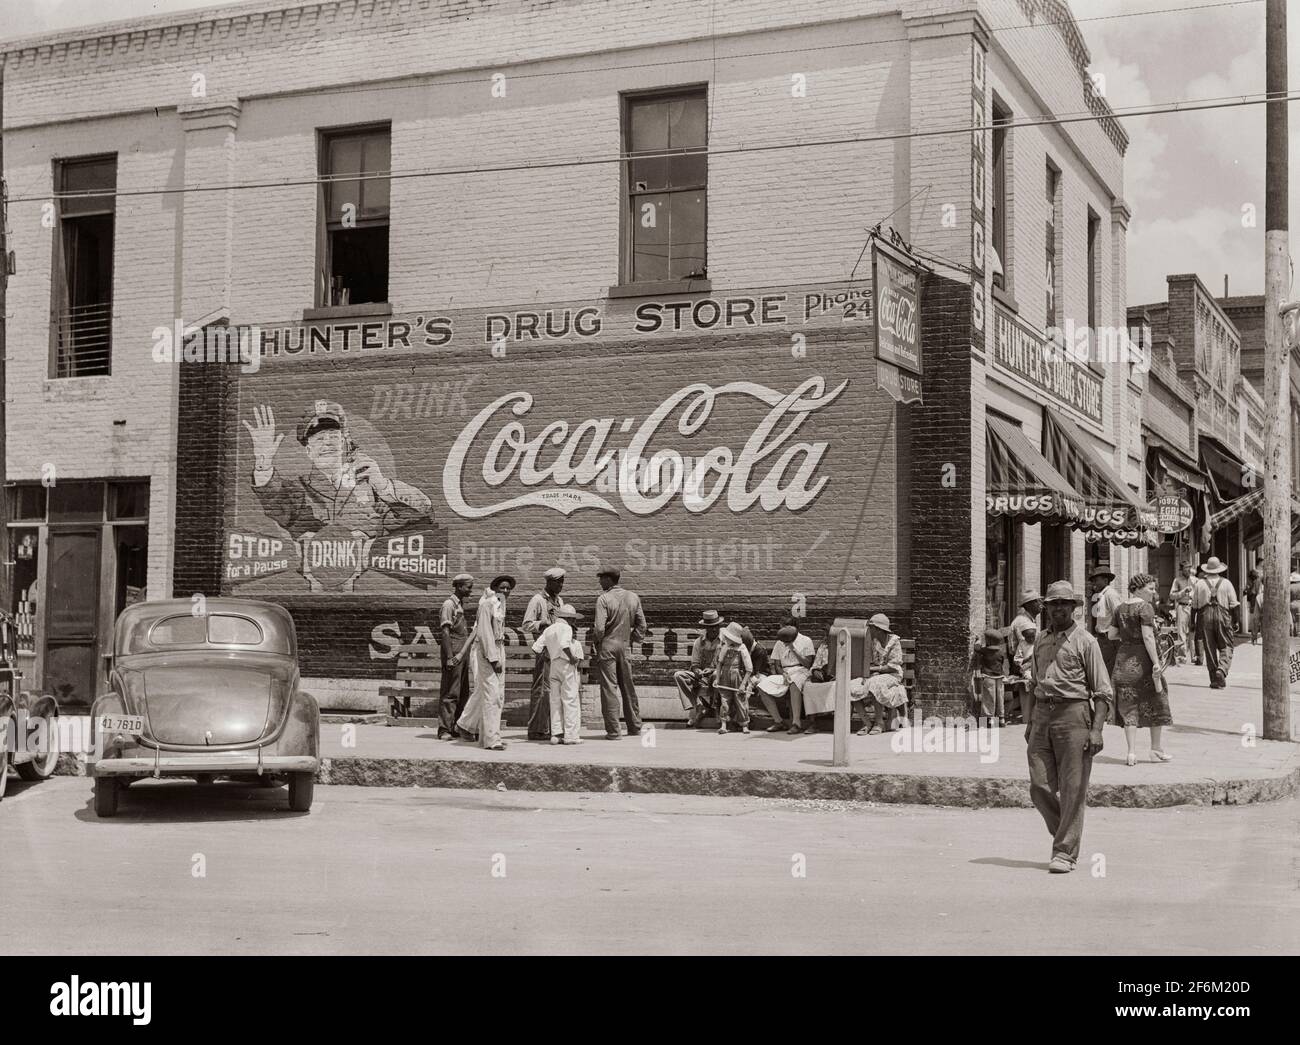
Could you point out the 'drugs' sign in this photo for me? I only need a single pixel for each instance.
(738, 470)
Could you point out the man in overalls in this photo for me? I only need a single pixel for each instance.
(1215, 601)
(1067, 703)
(619, 622)
(453, 641)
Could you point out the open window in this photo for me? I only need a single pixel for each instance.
(354, 166)
(82, 287)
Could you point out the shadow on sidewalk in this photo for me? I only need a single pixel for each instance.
(1002, 861)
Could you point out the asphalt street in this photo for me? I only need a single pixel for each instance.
(226, 869)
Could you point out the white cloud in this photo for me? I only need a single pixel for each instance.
(1208, 241)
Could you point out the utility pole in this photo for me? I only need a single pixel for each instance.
(1277, 387)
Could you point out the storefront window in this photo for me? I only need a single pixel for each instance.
(1000, 581)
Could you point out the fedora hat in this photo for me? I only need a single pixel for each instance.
(734, 633)
(503, 577)
(880, 622)
(1061, 591)
(1213, 565)
(1103, 571)
(711, 619)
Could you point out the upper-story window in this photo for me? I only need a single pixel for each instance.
(998, 204)
(354, 166)
(82, 287)
(667, 177)
(1053, 187)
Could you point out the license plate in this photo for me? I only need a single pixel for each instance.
(132, 724)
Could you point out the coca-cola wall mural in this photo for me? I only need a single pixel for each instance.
(732, 445)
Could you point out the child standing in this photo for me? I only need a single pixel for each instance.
(1022, 658)
(565, 690)
(988, 667)
(731, 677)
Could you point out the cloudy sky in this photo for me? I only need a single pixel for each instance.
(1188, 176)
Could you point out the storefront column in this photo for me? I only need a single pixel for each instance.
(203, 298)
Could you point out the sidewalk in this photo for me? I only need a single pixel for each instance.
(1211, 764)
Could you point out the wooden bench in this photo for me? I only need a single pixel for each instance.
(414, 696)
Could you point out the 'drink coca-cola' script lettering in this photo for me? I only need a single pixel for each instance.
(563, 461)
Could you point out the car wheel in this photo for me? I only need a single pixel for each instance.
(301, 788)
(106, 791)
(42, 768)
(4, 770)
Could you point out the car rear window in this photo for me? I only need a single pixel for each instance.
(218, 628)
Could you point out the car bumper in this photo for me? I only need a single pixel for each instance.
(187, 765)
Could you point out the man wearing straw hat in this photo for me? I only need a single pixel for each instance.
(695, 684)
(563, 655)
(1066, 708)
(1215, 601)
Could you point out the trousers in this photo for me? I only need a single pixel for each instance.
(564, 700)
(453, 693)
(615, 680)
(539, 704)
(1059, 770)
(482, 714)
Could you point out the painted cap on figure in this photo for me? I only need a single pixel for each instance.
(324, 414)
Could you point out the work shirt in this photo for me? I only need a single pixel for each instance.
(1181, 590)
(1023, 620)
(453, 629)
(308, 503)
(1068, 665)
(540, 613)
(557, 641)
(704, 653)
(1104, 611)
(619, 619)
(787, 657)
(1222, 593)
(490, 627)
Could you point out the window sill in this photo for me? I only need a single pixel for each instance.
(373, 308)
(645, 290)
(1003, 296)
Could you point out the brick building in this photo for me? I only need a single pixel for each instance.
(553, 277)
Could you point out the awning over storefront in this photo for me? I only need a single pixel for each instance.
(1112, 512)
(1226, 471)
(1021, 483)
(1175, 463)
(1236, 508)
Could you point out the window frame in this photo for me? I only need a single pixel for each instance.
(59, 286)
(326, 226)
(999, 227)
(626, 286)
(1051, 248)
(1092, 242)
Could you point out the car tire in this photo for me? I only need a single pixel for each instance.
(4, 771)
(106, 792)
(43, 769)
(302, 787)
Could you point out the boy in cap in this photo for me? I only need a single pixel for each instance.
(539, 615)
(453, 644)
(988, 669)
(563, 655)
(619, 622)
(1063, 727)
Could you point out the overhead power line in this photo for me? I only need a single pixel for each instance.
(426, 80)
(1189, 105)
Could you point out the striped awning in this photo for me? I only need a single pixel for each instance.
(1113, 514)
(1236, 508)
(1020, 482)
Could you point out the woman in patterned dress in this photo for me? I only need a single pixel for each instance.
(1141, 694)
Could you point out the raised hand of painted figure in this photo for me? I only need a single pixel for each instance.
(366, 470)
(266, 441)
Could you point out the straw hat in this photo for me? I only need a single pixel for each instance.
(1213, 565)
(733, 633)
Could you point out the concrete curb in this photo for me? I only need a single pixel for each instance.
(841, 786)
(970, 792)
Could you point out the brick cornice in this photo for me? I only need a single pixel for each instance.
(202, 116)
